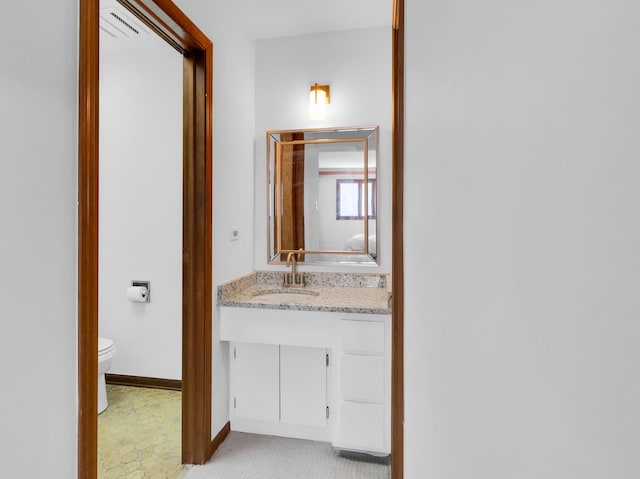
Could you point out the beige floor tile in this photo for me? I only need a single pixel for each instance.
(139, 434)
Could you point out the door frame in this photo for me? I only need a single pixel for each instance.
(168, 21)
(397, 235)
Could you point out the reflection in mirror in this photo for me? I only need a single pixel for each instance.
(323, 195)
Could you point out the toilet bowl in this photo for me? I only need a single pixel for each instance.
(106, 351)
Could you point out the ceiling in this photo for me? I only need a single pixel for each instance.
(282, 18)
(257, 19)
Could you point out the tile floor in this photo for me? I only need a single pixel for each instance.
(139, 434)
(254, 456)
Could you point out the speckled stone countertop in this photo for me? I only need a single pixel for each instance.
(333, 292)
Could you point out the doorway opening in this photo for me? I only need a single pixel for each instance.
(140, 245)
(170, 23)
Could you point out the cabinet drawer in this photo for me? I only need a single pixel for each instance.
(361, 426)
(362, 336)
(362, 378)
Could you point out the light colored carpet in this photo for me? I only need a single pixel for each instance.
(252, 456)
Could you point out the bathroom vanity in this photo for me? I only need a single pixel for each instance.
(313, 362)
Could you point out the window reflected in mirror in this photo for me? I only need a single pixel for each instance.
(351, 198)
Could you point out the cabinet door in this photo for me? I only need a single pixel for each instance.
(255, 381)
(303, 386)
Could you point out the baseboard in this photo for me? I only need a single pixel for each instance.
(220, 437)
(269, 428)
(143, 382)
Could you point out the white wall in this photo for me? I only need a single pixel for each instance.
(522, 187)
(357, 66)
(233, 126)
(141, 208)
(38, 153)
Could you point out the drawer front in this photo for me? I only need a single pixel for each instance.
(361, 426)
(362, 378)
(362, 336)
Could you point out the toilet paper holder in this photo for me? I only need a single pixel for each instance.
(145, 284)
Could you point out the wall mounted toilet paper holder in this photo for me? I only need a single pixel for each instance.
(145, 284)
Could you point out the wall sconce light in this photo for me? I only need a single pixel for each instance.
(318, 101)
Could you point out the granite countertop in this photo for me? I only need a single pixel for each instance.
(332, 292)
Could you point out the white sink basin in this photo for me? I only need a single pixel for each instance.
(284, 294)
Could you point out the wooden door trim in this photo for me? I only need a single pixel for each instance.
(163, 16)
(88, 80)
(397, 256)
(168, 21)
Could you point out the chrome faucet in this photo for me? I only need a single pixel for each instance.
(293, 278)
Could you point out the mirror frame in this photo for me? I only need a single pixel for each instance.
(274, 203)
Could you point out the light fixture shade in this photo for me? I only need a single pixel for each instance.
(318, 100)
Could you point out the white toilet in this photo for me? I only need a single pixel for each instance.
(106, 351)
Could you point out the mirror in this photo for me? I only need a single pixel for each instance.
(322, 195)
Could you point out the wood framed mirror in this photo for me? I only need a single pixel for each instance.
(322, 195)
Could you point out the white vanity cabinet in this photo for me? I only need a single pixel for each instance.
(279, 389)
(311, 374)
